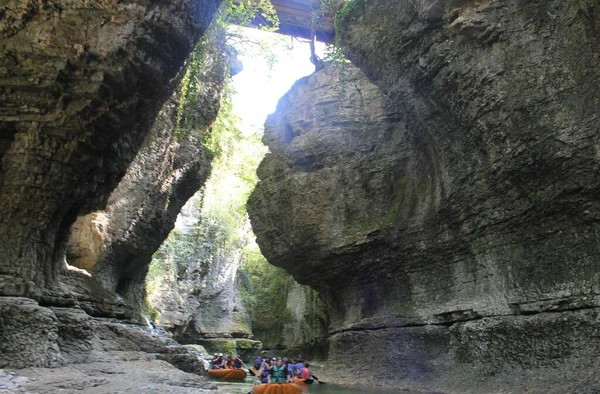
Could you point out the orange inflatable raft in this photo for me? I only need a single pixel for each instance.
(277, 388)
(228, 374)
(299, 381)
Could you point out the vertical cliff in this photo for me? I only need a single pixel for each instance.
(81, 86)
(193, 283)
(86, 96)
(287, 318)
(116, 245)
(306, 334)
(446, 209)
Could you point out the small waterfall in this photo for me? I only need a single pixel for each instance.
(154, 329)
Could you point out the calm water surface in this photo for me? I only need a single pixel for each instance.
(245, 387)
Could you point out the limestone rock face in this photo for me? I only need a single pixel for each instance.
(28, 335)
(201, 299)
(306, 334)
(310, 319)
(116, 245)
(436, 214)
(84, 351)
(80, 85)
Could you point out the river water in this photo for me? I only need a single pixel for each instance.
(245, 387)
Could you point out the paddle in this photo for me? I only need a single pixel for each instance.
(242, 361)
(317, 379)
(309, 381)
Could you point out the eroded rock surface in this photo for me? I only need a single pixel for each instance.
(81, 84)
(306, 333)
(116, 245)
(196, 297)
(435, 214)
(89, 354)
(84, 86)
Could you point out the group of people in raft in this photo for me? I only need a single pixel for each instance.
(282, 370)
(268, 370)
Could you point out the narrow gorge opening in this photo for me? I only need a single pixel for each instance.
(209, 284)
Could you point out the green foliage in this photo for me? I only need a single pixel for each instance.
(241, 13)
(222, 226)
(223, 219)
(153, 313)
(334, 54)
(246, 13)
(265, 294)
(190, 85)
(343, 12)
(327, 10)
(169, 258)
(225, 133)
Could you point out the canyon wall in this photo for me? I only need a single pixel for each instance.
(194, 290)
(306, 334)
(81, 86)
(446, 210)
(87, 103)
(116, 245)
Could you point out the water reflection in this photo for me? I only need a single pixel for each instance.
(246, 386)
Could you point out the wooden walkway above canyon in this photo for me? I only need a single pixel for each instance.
(295, 18)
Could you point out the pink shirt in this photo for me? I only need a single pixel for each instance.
(305, 373)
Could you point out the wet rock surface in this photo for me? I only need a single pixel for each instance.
(127, 372)
(10, 382)
(447, 212)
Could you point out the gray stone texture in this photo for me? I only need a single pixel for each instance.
(449, 220)
(307, 333)
(87, 103)
(28, 334)
(36, 336)
(116, 244)
(203, 299)
(80, 86)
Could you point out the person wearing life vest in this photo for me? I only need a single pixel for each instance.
(257, 363)
(298, 367)
(218, 362)
(237, 363)
(306, 372)
(278, 373)
(263, 373)
(292, 367)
